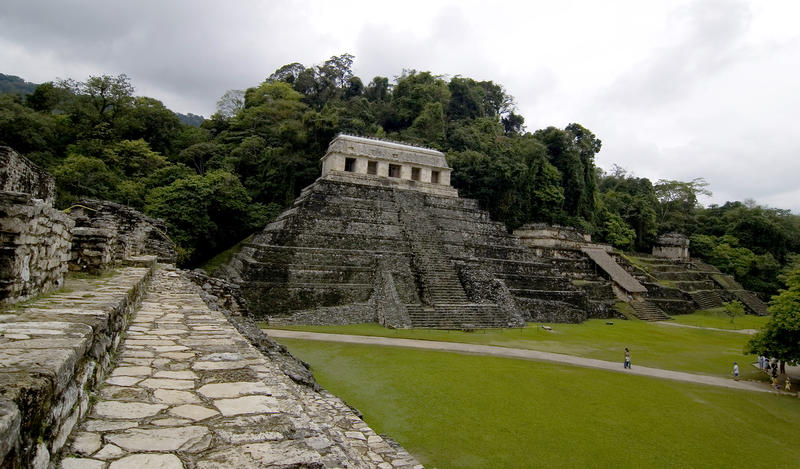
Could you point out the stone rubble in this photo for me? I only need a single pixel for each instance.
(190, 391)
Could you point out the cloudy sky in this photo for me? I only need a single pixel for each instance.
(674, 89)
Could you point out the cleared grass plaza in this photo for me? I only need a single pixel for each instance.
(463, 411)
(654, 345)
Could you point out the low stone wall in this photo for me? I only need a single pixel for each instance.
(52, 354)
(35, 242)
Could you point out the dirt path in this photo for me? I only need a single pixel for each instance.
(524, 354)
(735, 331)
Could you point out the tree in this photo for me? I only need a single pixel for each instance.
(230, 103)
(83, 176)
(572, 152)
(201, 156)
(205, 213)
(134, 158)
(733, 308)
(46, 97)
(414, 91)
(148, 119)
(24, 129)
(677, 203)
(103, 97)
(780, 337)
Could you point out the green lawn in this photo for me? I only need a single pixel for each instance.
(655, 345)
(719, 319)
(465, 411)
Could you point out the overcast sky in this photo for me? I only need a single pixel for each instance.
(674, 89)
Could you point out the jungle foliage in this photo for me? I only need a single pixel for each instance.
(216, 182)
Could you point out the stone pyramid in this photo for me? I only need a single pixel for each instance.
(382, 237)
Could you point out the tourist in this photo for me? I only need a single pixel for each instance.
(775, 370)
(761, 361)
(788, 387)
(627, 363)
(776, 384)
(736, 371)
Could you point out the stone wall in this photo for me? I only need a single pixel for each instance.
(35, 243)
(53, 352)
(131, 233)
(19, 174)
(92, 250)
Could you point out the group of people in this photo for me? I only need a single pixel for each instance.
(770, 367)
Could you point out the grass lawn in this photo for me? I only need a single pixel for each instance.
(719, 319)
(465, 411)
(654, 345)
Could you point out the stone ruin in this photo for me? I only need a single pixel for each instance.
(40, 243)
(382, 237)
(75, 391)
(35, 238)
(672, 246)
(106, 231)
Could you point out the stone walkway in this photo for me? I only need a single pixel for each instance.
(190, 392)
(524, 354)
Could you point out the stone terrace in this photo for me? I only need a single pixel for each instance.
(190, 391)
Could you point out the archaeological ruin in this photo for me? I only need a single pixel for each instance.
(131, 364)
(135, 363)
(382, 237)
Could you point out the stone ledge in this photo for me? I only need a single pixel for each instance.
(53, 351)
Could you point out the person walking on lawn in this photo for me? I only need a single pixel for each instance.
(627, 363)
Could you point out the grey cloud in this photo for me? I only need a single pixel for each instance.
(711, 41)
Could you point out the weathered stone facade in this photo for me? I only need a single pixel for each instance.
(107, 232)
(19, 174)
(34, 237)
(35, 246)
(672, 246)
(387, 164)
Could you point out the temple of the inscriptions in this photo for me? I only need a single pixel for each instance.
(383, 237)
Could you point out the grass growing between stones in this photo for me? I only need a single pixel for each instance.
(464, 411)
(653, 345)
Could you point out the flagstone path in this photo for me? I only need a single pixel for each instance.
(189, 391)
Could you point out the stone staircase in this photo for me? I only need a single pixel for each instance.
(702, 283)
(445, 303)
(707, 299)
(456, 316)
(647, 311)
(751, 301)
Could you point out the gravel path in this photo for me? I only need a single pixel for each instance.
(734, 331)
(524, 354)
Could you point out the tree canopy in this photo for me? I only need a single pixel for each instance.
(264, 143)
(780, 337)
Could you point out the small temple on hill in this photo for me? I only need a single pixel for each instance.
(380, 162)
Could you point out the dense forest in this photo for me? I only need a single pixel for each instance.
(217, 180)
